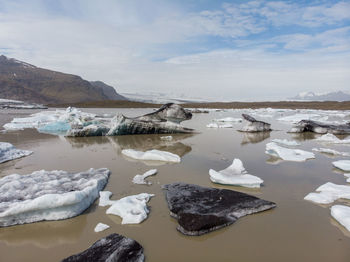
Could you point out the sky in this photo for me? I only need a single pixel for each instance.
(215, 50)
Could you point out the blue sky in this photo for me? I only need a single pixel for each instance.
(221, 50)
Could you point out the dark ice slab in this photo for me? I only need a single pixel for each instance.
(320, 128)
(200, 210)
(113, 248)
(253, 125)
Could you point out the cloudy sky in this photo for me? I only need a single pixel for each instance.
(220, 50)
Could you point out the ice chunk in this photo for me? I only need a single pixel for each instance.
(342, 164)
(152, 155)
(216, 125)
(132, 209)
(328, 193)
(332, 139)
(341, 213)
(330, 151)
(253, 125)
(55, 128)
(229, 119)
(48, 195)
(140, 179)
(105, 198)
(235, 174)
(100, 227)
(288, 154)
(9, 152)
(286, 142)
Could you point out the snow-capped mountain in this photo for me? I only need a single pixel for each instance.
(332, 96)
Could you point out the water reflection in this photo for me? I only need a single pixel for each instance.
(304, 136)
(253, 138)
(45, 234)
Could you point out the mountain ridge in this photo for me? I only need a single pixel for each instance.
(339, 96)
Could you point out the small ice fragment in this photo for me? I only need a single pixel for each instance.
(288, 154)
(341, 213)
(9, 152)
(229, 119)
(105, 198)
(152, 155)
(132, 209)
(216, 125)
(235, 174)
(342, 164)
(100, 227)
(140, 179)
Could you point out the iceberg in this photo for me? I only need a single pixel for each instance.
(9, 152)
(152, 155)
(330, 151)
(341, 213)
(132, 209)
(113, 248)
(235, 174)
(48, 195)
(101, 227)
(288, 154)
(286, 142)
(332, 139)
(253, 125)
(328, 193)
(140, 179)
(342, 164)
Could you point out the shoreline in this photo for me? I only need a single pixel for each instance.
(324, 105)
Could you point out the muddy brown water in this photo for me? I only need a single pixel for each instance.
(297, 230)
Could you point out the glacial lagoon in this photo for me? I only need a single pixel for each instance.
(296, 230)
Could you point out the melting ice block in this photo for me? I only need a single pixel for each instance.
(9, 152)
(342, 164)
(152, 155)
(48, 195)
(100, 227)
(330, 151)
(235, 174)
(288, 154)
(140, 179)
(332, 139)
(286, 142)
(341, 213)
(328, 193)
(132, 209)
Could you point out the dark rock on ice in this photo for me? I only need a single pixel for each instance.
(320, 128)
(253, 125)
(200, 210)
(113, 248)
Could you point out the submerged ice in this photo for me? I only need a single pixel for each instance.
(48, 195)
(235, 174)
(140, 179)
(9, 152)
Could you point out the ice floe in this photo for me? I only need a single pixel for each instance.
(330, 151)
(341, 213)
(288, 154)
(235, 174)
(152, 155)
(332, 139)
(342, 164)
(101, 227)
(286, 142)
(229, 119)
(48, 195)
(298, 117)
(328, 193)
(140, 179)
(219, 125)
(132, 209)
(9, 152)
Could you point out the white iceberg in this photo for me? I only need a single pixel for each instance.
(152, 155)
(132, 209)
(9, 152)
(229, 119)
(286, 142)
(328, 193)
(288, 154)
(48, 195)
(101, 227)
(342, 164)
(216, 125)
(332, 139)
(341, 213)
(330, 151)
(140, 179)
(235, 174)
